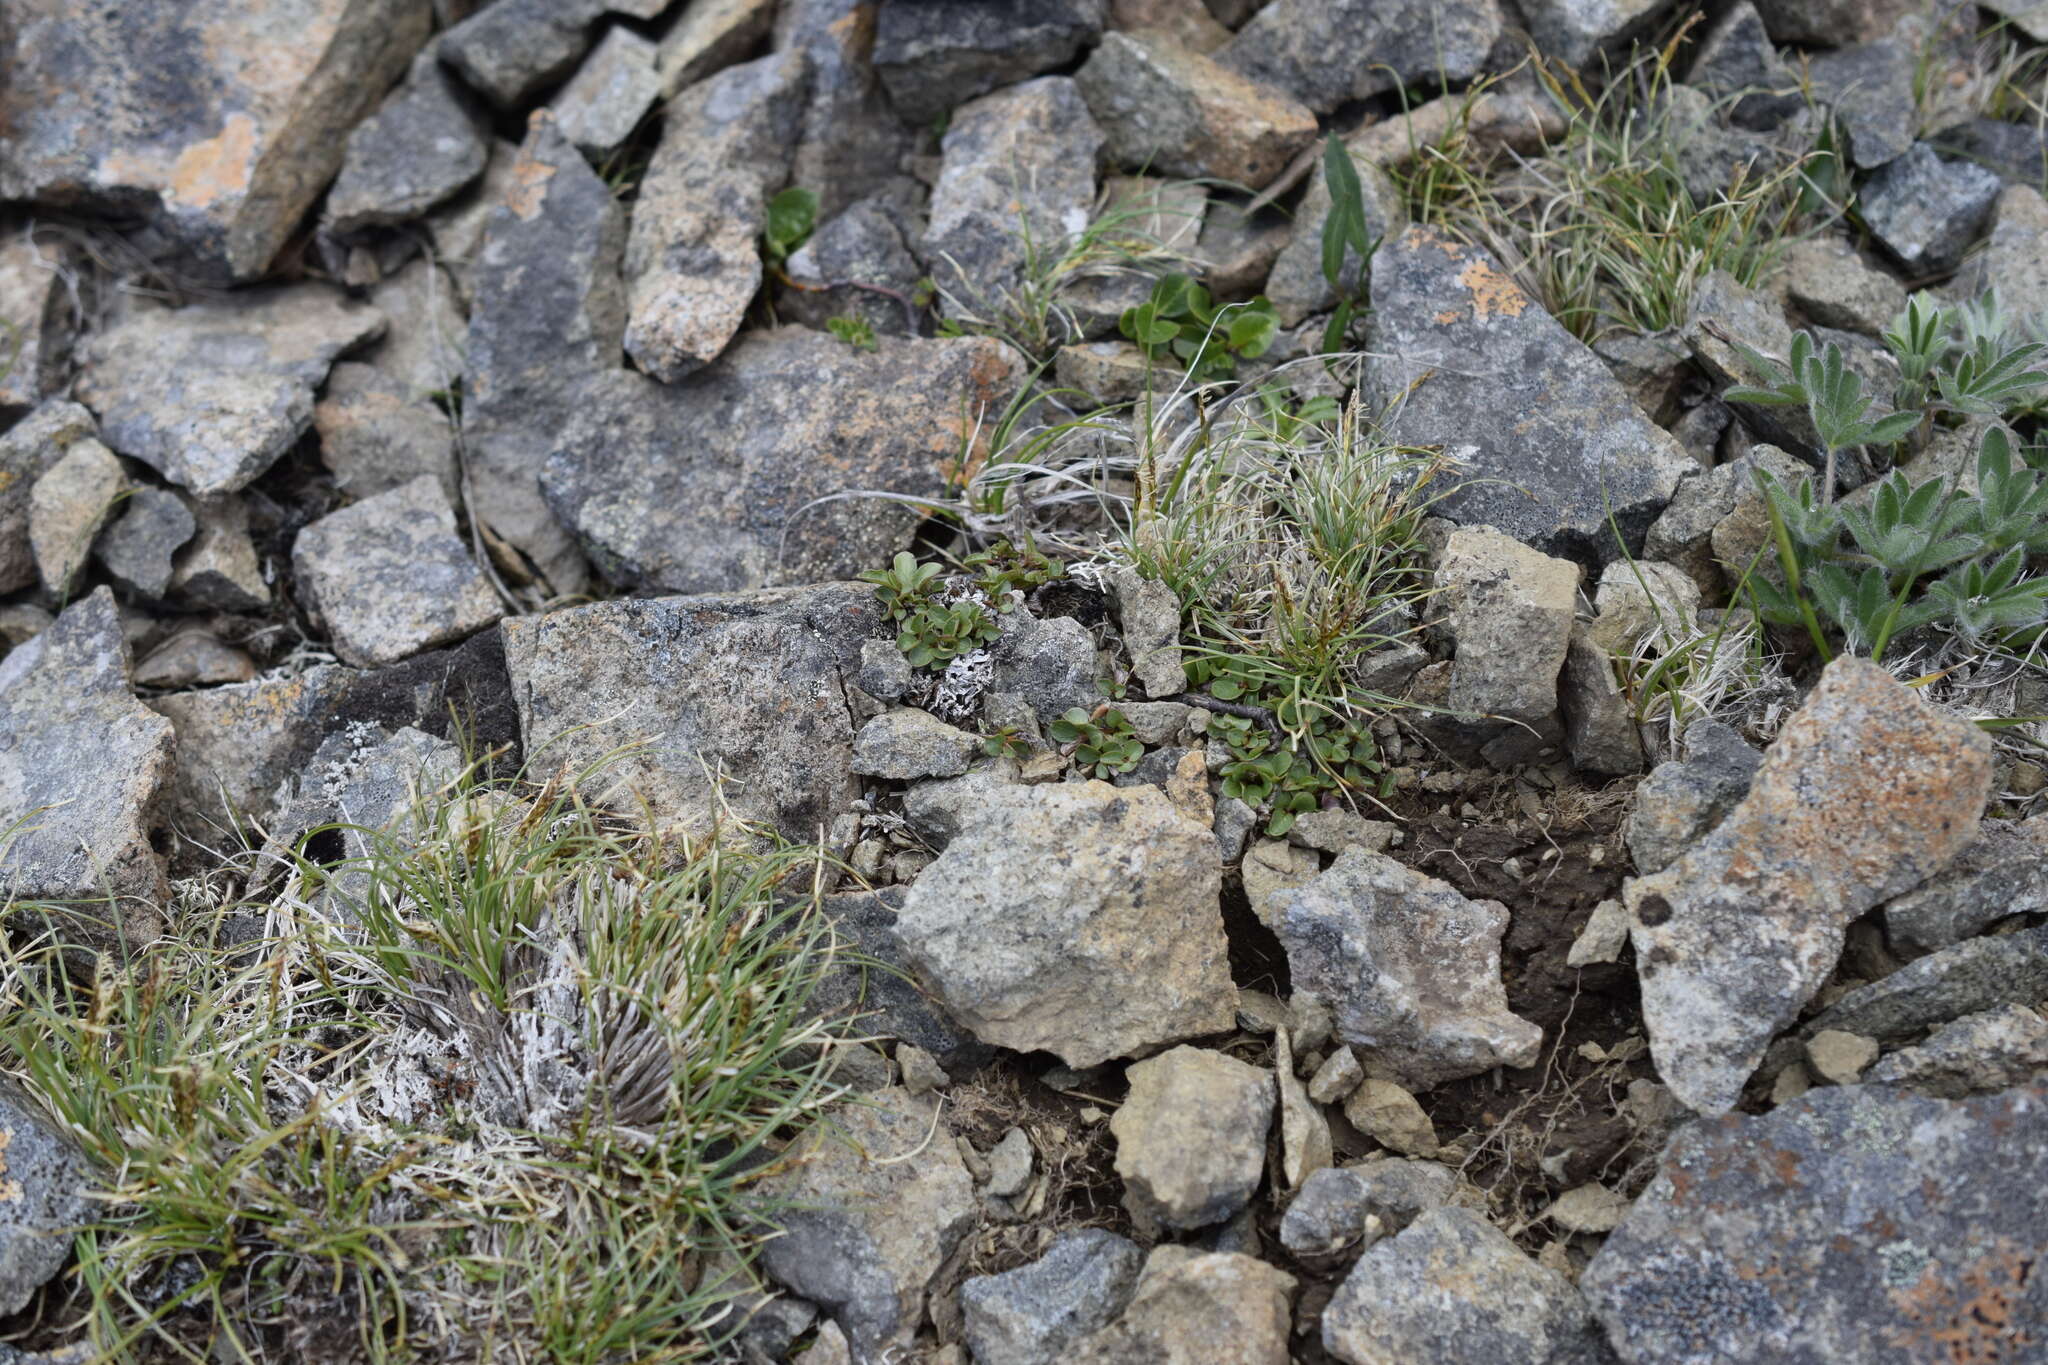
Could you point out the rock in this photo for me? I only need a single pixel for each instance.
(1336, 1078)
(1169, 110)
(137, 549)
(1824, 23)
(225, 171)
(692, 264)
(1590, 1209)
(193, 658)
(1411, 968)
(71, 500)
(876, 984)
(1334, 829)
(1009, 1165)
(1551, 445)
(548, 316)
(1451, 1286)
(852, 143)
(1866, 793)
(47, 1179)
(2013, 259)
(1682, 800)
(425, 144)
(1599, 720)
(82, 773)
(1828, 281)
(390, 577)
(1603, 938)
(375, 438)
(707, 37)
(868, 1218)
(1741, 541)
(1580, 32)
(1148, 614)
(423, 337)
(1188, 1304)
(906, 744)
(1237, 250)
(934, 57)
(1272, 867)
(1017, 165)
(512, 50)
(1972, 976)
(610, 93)
(210, 395)
(1975, 1055)
(29, 449)
(1851, 1225)
(1109, 371)
(1233, 826)
(1869, 88)
(1507, 611)
(218, 569)
(1340, 1206)
(1636, 598)
(711, 484)
(2017, 153)
(1390, 1116)
(921, 1074)
(1325, 54)
(1030, 1315)
(43, 320)
(1926, 211)
(1721, 308)
(2004, 873)
(1049, 663)
(1305, 1142)
(1081, 918)
(1684, 535)
(861, 246)
(1840, 1058)
(938, 811)
(1296, 285)
(885, 674)
(2028, 16)
(361, 782)
(1187, 22)
(751, 684)
(1735, 58)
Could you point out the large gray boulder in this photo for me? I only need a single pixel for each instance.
(710, 484)
(685, 690)
(1081, 919)
(218, 124)
(1866, 793)
(83, 767)
(1549, 442)
(1855, 1225)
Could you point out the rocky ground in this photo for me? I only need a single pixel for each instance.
(1392, 847)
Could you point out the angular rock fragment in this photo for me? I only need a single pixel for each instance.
(1550, 444)
(511, 50)
(82, 771)
(1187, 1303)
(224, 171)
(47, 1180)
(360, 782)
(2017, 153)
(907, 743)
(1451, 1286)
(375, 437)
(2015, 260)
(691, 265)
(1017, 165)
(1172, 111)
(714, 483)
(1869, 90)
(1684, 798)
(1080, 918)
(1976, 1055)
(1925, 211)
(1853, 1225)
(40, 316)
(869, 1209)
(1411, 968)
(1327, 52)
(933, 57)
(1191, 1137)
(875, 985)
(1684, 534)
(423, 146)
(1507, 610)
(1865, 794)
(1580, 32)
(1297, 286)
(1031, 1315)
(2005, 872)
(138, 549)
(852, 142)
(425, 329)
(860, 246)
(72, 499)
(1390, 1116)
(611, 92)
(1824, 23)
(1736, 59)
(1833, 286)
(210, 395)
(1305, 1142)
(193, 658)
(27, 449)
(1341, 1206)
(390, 577)
(708, 36)
(218, 569)
(750, 686)
(1970, 977)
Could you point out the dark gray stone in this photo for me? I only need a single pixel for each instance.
(1580, 32)
(1328, 52)
(875, 986)
(1870, 89)
(1168, 110)
(861, 246)
(136, 550)
(851, 143)
(1826, 23)
(935, 54)
(2015, 152)
(2004, 873)
(1976, 1055)
(1051, 663)
(1031, 1315)
(709, 484)
(375, 436)
(1972, 976)
(906, 743)
(1681, 800)
(512, 49)
(46, 1178)
(1855, 1224)
(1550, 442)
(424, 146)
(610, 94)
(1926, 211)
(1330, 1212)
(1736, 58)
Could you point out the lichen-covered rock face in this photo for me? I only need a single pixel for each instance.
(713, 484)
(869, 1208)
(1865, 794)
(83, 766)
(750, 686)
(1856, 1224)
(1550, 443)
(46, 1180)
(1191, 1137)
(1082, 919)
(1411, 968)
(1327, 52)
(170, 113)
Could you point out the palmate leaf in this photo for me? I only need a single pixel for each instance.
(1918, 338)
(1991, 377)
(1984, 600)
(1857, 603)
(2012, 498)
(1911, 530)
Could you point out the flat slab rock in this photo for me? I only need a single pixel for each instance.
(1866, 794)
(708, 485)
(1855, 1224)
(1549, 442)
(751, 685)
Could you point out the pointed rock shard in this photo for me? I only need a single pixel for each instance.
(1866, 794)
